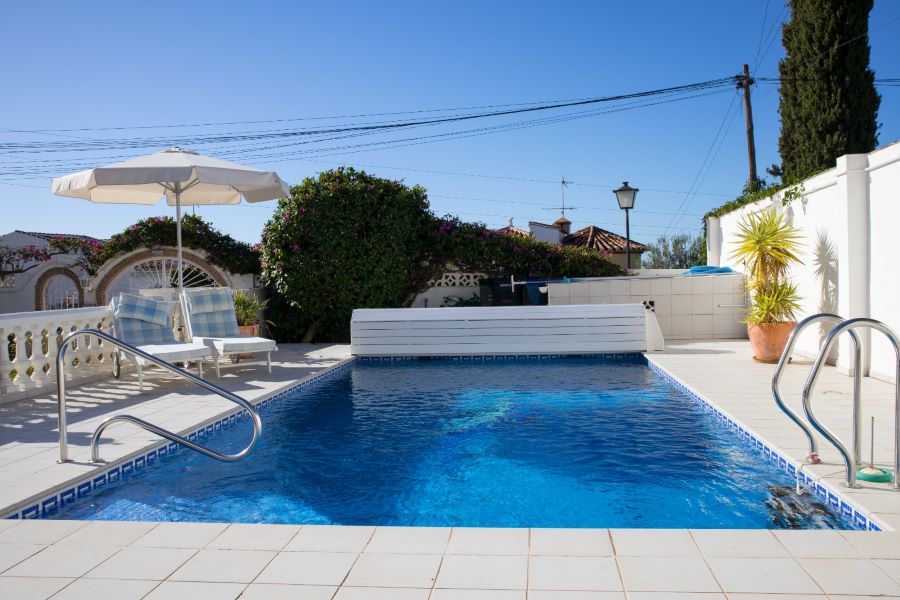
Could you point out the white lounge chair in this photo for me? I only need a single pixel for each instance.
(147, 324)
(210, 319)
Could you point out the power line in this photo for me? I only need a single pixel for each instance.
(694, 183)
(81, 146)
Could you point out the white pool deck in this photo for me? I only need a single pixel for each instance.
(81, 559)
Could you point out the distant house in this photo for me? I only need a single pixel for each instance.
(52, 284)
(591, 237)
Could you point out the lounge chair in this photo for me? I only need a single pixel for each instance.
(210, 319)
(147, 324)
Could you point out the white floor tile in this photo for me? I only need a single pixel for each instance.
(39, 531)
(575, 595)
(182, 590)
(476, 540)
(240, 536)
(234, 566)
(13, 554)
(653, 542)
(394, 570)
(816, 544)
(409, 540)
(483, 572)
(570, 542)
(666, 574)
(279, 591)
(373, 593)
(142, 563)
(180, 535)
(308, 568)
(97, 589)
(107, 533)
(762, 576)
(31, 588)
(330, 538)
(441, 594)
(880, 544)
(590, 573)
(738, 543)
(842, 576)
(62, 561)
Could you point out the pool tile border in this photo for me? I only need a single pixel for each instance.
(49, 505)
(851, 512)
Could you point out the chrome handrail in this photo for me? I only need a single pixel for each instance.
(813, 455)
(95, 439)
(851, 461)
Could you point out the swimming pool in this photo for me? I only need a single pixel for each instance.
(571, 442)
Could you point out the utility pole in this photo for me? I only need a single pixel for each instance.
(745, 82)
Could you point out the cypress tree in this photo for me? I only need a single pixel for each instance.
(828, 105)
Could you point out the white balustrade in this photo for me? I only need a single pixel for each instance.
(28, 345)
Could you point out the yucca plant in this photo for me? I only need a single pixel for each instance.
(768, 245)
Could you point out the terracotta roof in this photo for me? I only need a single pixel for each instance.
(49, 236)
(602, 240)
(512, 230)
(562, 221)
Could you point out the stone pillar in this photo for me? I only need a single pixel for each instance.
(714, 242)
(853, 252)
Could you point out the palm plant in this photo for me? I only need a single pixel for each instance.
(768, 245)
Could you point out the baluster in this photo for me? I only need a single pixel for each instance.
(5, 362)
(22, 380)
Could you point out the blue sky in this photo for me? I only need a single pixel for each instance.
(121, 64)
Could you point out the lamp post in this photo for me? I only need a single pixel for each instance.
(625, 197)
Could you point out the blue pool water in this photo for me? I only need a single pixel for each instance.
(575, 442)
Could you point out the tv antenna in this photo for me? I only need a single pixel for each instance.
(563, 184)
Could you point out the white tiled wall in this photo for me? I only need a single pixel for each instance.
(687, 308)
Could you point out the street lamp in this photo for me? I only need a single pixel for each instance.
(625, 197)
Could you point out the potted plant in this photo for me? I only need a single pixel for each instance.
(768, 245)
(247, 309)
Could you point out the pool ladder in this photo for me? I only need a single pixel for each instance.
(174, 437)
(852, 456)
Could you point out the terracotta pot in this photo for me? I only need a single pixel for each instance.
(252, 330)
(767, 340)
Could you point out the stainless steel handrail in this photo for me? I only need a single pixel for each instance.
(95, 439)
(830, 339)
(813, 455)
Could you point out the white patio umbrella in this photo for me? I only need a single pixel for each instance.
(182, 176)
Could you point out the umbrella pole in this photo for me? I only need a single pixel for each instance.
(178, 236)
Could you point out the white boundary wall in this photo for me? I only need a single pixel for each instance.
(849, 216)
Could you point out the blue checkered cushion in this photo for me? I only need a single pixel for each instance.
(212, 313)
(141, 321)
(210, 300)
(144, 309)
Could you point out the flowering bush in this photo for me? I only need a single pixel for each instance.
(351, 240)
(82, 252)
(221, 249)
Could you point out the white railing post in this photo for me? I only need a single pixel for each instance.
(40, 359)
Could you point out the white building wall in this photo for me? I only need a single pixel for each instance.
(848, 217)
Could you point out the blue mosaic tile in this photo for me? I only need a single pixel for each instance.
(84, 489)
(67, 496)
(32, 512)
(50, 506)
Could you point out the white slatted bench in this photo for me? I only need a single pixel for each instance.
(567, 329)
